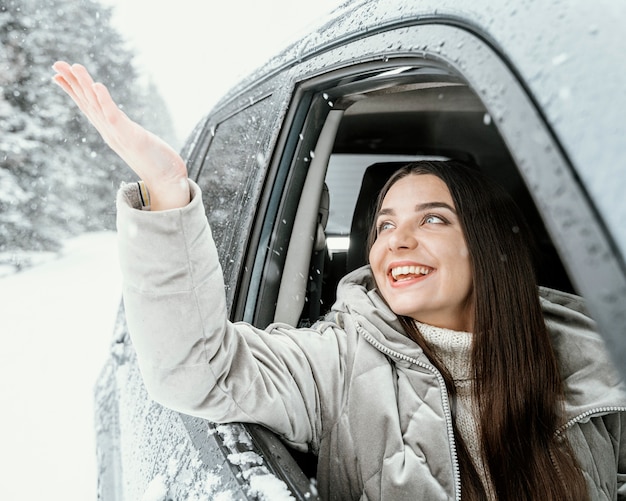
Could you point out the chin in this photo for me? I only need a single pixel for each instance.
(404, 311)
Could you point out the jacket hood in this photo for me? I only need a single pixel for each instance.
(358, 296)
(591, 381)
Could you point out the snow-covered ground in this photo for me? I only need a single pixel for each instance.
(56, 324)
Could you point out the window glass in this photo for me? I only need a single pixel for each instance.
(231, 178)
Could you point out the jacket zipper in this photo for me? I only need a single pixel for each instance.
(444, 397)
(446, 404)
(597, 410)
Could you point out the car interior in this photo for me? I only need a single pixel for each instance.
(378, 123)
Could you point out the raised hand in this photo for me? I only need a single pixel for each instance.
(154, 161)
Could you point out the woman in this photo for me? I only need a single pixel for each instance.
(440, 369)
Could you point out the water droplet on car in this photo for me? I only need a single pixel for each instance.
(560, 59)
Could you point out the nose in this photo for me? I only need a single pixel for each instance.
(402, 238)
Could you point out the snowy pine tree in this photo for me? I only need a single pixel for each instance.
(57, 177)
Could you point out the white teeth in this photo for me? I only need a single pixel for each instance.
(409, 270)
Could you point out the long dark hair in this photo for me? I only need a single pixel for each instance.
(517, 385)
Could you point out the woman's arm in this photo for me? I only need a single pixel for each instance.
(155, 162)
(191, 357)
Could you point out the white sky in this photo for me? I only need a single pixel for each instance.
(197, 51)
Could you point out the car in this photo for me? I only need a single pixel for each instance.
(291, 159)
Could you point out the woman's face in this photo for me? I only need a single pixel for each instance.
(420, 260)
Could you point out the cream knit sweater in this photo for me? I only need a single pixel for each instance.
(454, 350)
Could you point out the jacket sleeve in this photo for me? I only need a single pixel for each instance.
(191, 357)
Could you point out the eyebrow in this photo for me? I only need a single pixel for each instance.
(420, 208)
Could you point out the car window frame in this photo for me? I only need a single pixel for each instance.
(567, 211)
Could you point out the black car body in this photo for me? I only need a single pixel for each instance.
(290, 160)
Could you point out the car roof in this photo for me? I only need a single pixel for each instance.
(566, 54)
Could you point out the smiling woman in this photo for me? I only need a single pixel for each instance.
(472, 249)
(419, 257)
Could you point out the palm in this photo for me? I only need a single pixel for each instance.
(153, 160)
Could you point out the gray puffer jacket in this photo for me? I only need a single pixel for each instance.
(353, 389)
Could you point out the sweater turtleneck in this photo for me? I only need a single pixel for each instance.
(453, 349)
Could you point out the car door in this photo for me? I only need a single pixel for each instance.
(145, 449)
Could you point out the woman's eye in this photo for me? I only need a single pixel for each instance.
(385, 225)
(434, 219)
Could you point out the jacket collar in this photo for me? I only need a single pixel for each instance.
(358, 296)
(591, 381)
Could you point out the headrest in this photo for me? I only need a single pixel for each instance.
(374, 178)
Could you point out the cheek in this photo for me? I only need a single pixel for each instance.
(464, 261)
(373, 253)
(375, 261)
(458, 265)
(466, 268)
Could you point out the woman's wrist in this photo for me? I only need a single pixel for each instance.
(171, 195)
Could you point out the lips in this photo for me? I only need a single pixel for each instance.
(408, 272)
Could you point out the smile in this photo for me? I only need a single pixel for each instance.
(407, 272)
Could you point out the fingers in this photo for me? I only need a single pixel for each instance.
(147, 155)
(60, 80)
(77, 82)
(76, 76)
(110, 110)
(85, 84)
(93, 99)
(65, 76)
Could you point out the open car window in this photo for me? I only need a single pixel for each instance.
(378, 122)
(459, 100)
